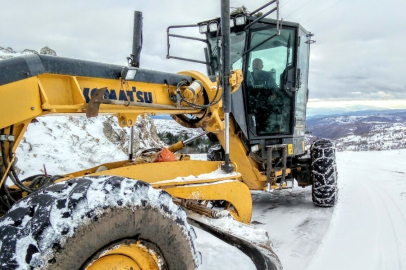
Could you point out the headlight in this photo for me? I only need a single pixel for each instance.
(240, 20)
(128, 73)
(232, 22)
(203, 28)
(213, 26)
(255, 148)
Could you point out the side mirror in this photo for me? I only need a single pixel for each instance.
(290, 79)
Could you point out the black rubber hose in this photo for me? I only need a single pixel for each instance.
(41, 180)
(17, 181)
(10, 144)
(31, 178)
(10, 174)
(4, 202)
(8, 197)
(4, 186)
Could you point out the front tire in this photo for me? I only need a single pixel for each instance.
(324, 173)
(69, 225)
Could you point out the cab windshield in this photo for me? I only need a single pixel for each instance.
(236, 50)
(269, 100)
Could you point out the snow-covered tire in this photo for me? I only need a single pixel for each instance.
(216, 153)
(324, 173)
(63, 226)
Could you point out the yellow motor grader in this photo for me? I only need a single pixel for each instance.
(130, 214)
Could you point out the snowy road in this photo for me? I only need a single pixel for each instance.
(295, 226)
(365, 230)
(368, 227)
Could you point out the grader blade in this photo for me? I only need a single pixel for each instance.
(263, 257)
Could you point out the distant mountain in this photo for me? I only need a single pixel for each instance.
(362, 130)
(399, 112)
(317, 112)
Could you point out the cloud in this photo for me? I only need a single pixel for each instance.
(359, 46)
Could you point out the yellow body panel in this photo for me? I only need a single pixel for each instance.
(127, 256)
(19, 102)
(234, 192)
(191, 179)
(153, 172)
(246, 166)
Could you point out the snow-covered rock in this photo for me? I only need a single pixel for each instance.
(28, 51)
(8, 52)
(48, 51)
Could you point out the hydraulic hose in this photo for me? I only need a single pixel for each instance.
(3, 187)
(12, 173)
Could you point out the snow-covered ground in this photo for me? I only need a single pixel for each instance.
(365, 230)
(368, 225)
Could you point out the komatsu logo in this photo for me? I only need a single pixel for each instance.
(133, 95)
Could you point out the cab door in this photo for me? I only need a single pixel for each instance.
(269, 98)
(302, 92)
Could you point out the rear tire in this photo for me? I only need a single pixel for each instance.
(324, 173)
(216, 153)
(66, 225)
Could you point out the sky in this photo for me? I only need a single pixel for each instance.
(358, 56)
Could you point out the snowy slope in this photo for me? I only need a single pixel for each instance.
(65, 143)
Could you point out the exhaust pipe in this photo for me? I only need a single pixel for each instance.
(225, 33)
(134, 59)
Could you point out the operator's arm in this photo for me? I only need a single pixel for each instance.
(271, 86)
(270, 82)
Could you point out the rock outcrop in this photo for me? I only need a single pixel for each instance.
(47, 51)
(145, 134)
(28, 51)
(8, 52)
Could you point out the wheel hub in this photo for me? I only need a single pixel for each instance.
(127, 256)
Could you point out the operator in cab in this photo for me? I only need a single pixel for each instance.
(259, 78)
(266, 102)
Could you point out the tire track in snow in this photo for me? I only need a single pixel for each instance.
(394, 224)
(390, 234)
(368, 227)
(291, 218)
(391, 254)
(386, 249)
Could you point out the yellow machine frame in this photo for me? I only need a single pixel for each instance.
(62, 94)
